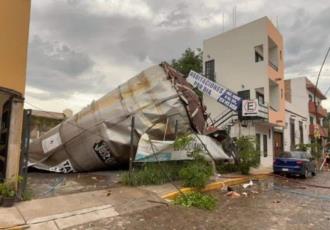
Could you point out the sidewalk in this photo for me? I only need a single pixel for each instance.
(66, 211)
(70, 210)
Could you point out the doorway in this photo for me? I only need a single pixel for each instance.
(278, 143)
(4, 135)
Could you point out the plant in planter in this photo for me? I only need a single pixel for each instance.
(249, 156)
(8, 194)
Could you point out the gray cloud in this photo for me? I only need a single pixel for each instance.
(79, 46)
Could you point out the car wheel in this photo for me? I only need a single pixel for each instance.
(314, 172)
(306, 173)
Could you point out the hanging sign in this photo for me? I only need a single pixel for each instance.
(223, 95)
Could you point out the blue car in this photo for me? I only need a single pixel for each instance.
(295, 163)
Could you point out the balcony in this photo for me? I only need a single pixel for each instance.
(316, 129)
(320, 110)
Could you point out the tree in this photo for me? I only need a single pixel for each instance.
(190, 60)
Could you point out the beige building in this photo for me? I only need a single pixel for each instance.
(14, 27)
(249, 61)
(42, 121)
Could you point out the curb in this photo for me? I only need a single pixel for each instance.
(217, 185)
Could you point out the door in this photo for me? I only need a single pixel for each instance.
(278, 143)
(4, 136)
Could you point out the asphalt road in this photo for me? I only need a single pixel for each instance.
(275, 203)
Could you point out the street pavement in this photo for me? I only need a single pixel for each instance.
(275, 203)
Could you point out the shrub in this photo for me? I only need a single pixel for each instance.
(7, 190)
(196, 173)
(196, 199)
(227, 167)
(152, 173)
(248, 155)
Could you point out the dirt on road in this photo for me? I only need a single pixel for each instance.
(275, 203)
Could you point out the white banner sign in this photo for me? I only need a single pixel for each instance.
(212, 89)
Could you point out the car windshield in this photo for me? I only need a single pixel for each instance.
(296, 155)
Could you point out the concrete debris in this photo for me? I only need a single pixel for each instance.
(233, 194)
(163, 104)
(244, 194)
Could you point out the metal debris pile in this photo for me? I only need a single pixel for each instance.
(164, 105)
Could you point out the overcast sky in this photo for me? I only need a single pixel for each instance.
(81, 49)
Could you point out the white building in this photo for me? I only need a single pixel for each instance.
(303, 123)
(249, 60)
(296, 129)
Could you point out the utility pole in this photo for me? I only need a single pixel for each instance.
(315, 90)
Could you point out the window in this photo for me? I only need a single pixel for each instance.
(301, 132)
(258, 53)
(209, 70)
(244, 94)
(265, 145)
(310, 97)
(258, 142)
(260, 97)
(292, 134)
(311, 120)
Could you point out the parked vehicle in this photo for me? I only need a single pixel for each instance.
(295, 163)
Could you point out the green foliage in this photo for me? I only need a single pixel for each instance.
(227, 168)
(182, 142)
(27, 195)
(193, 173)
(196, 199)
(248, 155)
(196, 173)
(152, 173)
(7, 189)
(190, 60)
(314, 148)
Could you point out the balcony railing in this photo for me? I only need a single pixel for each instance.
(317, 130)
(320, 110)
(271, 64)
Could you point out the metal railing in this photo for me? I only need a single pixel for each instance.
(271, 64)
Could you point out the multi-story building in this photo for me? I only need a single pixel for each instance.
(297, 124)
(303, 122)
(14, 26)
(317, 114)
(249, 60)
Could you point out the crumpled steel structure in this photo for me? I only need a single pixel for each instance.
(99, 136)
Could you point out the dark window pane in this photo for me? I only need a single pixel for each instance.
(209, 70)
(265, 145)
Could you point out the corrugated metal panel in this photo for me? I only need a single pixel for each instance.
(99, 136)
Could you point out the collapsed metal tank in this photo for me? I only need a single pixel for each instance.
(98, 136)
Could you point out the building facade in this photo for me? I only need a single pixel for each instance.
(304, 124)
(249, 60)
(297, 121)
(317, 114)
(14, 27)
